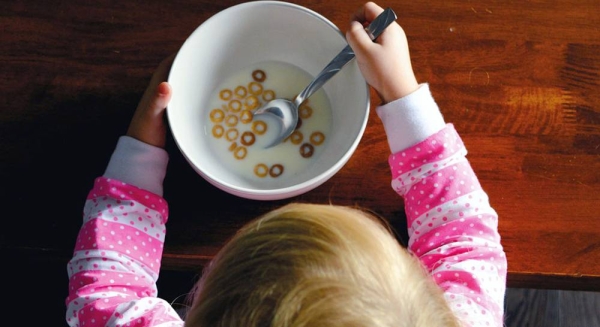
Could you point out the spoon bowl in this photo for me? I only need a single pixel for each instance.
(285, 111)
(286, 114)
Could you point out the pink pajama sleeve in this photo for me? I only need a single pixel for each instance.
(116, 261)
(452, 227)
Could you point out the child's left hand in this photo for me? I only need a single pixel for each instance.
(148, 123)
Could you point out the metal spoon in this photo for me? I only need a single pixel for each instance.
(286, 111)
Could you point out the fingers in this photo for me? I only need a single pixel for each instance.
(358, 39)
(385, 63)
(367, 13)
(147, 124)
(161, 98)
(371, 11)
(164, 88)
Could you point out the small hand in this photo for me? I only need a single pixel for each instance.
(148, 123)
(385, 64)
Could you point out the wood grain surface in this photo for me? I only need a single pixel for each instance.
(519, 79)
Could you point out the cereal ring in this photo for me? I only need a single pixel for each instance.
(218, 131)
(232, 147)
(231, 120)
(235, 105)
(225, 94)
(240, 153)
(246, 116)
(248, 138)
(296, 137)
(268, 95)
(259, 75)
(232, 134)
(259, 127)
(317, 138)
(217, 115)
(307, 150)
(240, 91)
(305, 111)
(255, 88)
(276, 170)
(298, 124)
(251, 102)
(261, 170)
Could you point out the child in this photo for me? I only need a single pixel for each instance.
(302, 264)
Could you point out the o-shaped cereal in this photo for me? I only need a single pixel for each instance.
(246, 116)
(232, 134)
(255, 88)
(240, 91)
(261, 170)
(268, 95)
(251, 102)
(296, 137)
(231, 120)
(259, 75)
(240, 153)
(317, 138)
(218, 131)
(307, 150)
(259, 127)
(217, 115)
(235, 105)
(247, 138)
(276, 170)
(305, 111)
(225, 94)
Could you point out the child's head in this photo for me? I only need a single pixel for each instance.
(316, 265)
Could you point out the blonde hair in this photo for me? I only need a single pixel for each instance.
(316, 265)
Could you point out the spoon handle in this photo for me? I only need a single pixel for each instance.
(380, 23)
(377, 26)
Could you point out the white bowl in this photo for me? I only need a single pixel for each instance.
(247, 34)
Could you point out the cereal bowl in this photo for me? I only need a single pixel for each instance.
(237, 60)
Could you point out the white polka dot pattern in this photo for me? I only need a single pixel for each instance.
(452, 227)
(115, 265)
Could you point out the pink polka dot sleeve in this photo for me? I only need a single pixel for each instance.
(452, 227)
(116, 261)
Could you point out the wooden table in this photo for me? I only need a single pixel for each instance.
(519, 79)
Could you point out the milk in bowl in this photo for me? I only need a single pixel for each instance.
(239, 141)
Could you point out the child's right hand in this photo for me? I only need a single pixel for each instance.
(385, 64)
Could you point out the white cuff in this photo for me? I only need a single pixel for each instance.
(140, 164)
(411, 119)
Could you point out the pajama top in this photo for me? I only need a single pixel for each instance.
(452, 227)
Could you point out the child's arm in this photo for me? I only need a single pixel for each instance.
(452, 227)
(117, 256)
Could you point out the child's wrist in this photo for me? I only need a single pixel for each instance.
(400, 90)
